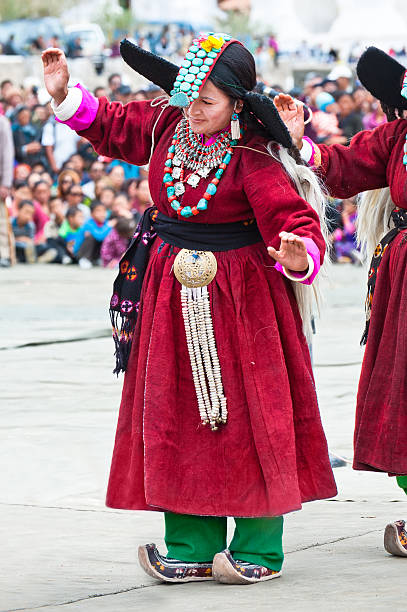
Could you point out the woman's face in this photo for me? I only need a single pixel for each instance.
(211, 112)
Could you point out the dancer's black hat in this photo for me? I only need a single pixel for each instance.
(183, 83)
(383, 76)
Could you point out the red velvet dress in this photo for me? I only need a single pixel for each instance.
(271, 456)
(375, 159)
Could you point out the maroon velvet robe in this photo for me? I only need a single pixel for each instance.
(373, 160)
(272, 454)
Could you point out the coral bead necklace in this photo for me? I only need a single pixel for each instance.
(187, 151)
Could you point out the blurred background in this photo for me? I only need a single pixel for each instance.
(308, 48)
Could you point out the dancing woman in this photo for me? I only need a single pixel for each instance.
(375, 163)
(219, 415)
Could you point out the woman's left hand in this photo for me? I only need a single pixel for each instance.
(292, 253)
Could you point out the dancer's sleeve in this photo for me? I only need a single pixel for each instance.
(117, 131)
(361, 166)
(278, 208)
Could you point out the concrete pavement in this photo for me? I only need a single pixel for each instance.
(63, 550)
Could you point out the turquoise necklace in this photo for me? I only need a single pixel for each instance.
(187, 151)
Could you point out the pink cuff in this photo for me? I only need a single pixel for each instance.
(86, 113)
(315, 159)
(313, 252)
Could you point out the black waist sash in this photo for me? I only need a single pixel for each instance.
(125, 301)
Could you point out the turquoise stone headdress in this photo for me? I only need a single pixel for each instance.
(196, 67)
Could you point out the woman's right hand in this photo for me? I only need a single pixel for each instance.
(293, 116)
(56, 74)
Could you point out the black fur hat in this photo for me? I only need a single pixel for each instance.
(382, 76)
(163, 73)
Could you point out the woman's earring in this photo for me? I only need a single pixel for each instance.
(235, 126)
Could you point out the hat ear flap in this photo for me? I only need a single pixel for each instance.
(151, 66)
(266, 112)
(382, 76)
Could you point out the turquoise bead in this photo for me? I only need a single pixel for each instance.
(202, 204)
(205, 68)
(208, 61)
(193, 48)
(197, 61)
(190, 56)
(405, 159)
(186, 63)
(201, 54)
(171, 149)
(195, 88)
(198, 82)
(212, 55)
(180, 77)
(201, 75)
(185, 86)
(170, 191)
(219, 173)
(227, 158)
(194, 94)
(167, 178)
(194, 70)
(189, 78)
(211, 189)
(183, 71)
(175, 204)
(186, 212)
(172, 92)
(168, 163)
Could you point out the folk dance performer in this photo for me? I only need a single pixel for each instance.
(219, 415)
(375, 163)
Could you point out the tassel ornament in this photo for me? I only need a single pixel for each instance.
(195, 270)
(235, 126)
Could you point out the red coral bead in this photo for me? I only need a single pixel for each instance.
(170, 156)
(215, 181)
(195, 211)
(207, 196)
(170, 184)
(223, 166)
(172, 198)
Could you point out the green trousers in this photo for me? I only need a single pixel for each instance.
(199, 538)
(402, 482)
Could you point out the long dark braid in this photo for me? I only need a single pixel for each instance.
(391, 113)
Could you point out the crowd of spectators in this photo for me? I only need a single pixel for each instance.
(68, 205)
(60, 202)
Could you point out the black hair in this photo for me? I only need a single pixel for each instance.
(72, 211)
(235, 75)
(18, 183)
(125, 227)
(391, 112)
(95, 204)
(25, 203)
(41, 182)
(112, 76)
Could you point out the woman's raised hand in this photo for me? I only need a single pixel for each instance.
(293, 116)
(292, 253)
(56, 74)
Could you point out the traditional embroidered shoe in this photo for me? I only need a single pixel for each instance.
(230, 571)
(395, 539)
(171, 570)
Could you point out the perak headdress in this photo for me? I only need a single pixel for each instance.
(384, 77)
(183, 83)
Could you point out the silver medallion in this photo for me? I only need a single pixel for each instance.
(176, 172)
(179, 189)
(193, 180)
(176, 161)
(203, 171)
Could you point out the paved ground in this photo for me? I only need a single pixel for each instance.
(63, 550)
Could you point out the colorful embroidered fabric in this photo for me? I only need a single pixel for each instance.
(399, 217)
